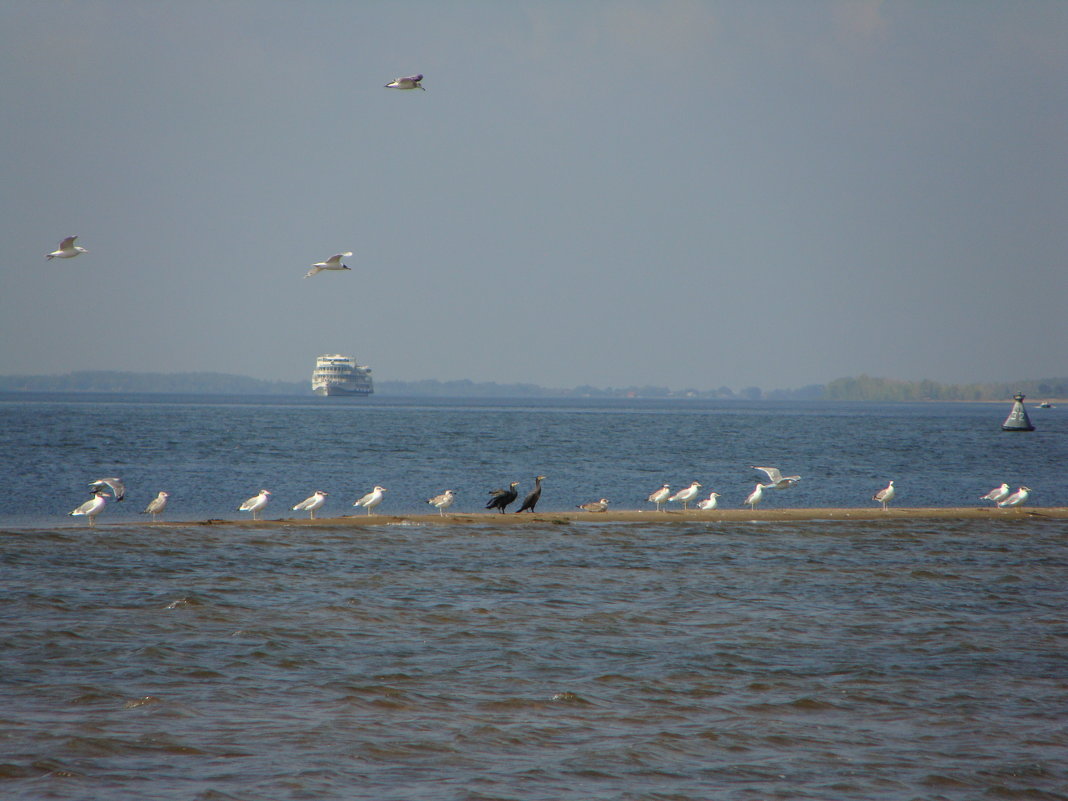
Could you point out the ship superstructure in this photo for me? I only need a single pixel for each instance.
(340, 375)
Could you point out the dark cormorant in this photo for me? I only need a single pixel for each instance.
(531, 500)
(501, 498)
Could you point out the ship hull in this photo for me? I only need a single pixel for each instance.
(332, 392)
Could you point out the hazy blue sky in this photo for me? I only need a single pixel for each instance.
(688, 194)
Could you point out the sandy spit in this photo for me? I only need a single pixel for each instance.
(639, 516)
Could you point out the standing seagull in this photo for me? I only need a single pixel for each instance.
(755, 497)
(708, 503)
(157, 505)
(997, 495)
(116, 486)
(409, 82)
(885, 495)
(312, 503)
(371, 499)
(1016, 499)
(67, 250)
(686, 495)
(594, 506)
(333, 263)
(777, 479)
(442, 502)
(255, 503)
(501, 498)
(532, 498)
(660, 496)
(92, 507)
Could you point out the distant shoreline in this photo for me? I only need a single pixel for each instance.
(854, 389)
(89, 395)
(494, 519)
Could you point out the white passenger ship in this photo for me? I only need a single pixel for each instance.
(340, 375)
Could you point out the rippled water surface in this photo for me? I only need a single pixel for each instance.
(886, 660)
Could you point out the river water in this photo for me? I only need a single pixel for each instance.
(693, 660)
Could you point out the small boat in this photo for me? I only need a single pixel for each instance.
(1045, 405)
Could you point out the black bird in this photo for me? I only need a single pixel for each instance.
(501, 498)
(531, 500)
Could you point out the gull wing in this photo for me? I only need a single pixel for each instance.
(115, 484)
(773, 474)
(334, 261)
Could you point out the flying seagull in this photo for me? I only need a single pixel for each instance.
(409, 82)
(333, 263)
(501, 498)
(311, 503)
(255, 503)
(157, 505)
(67, 250)
(885, 495)
(116, 486)
(777, 479)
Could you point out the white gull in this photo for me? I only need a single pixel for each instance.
(885, 495)
(660, 496)
(998, 494)
(408, 82)
(1016, 499)
(157, 505)
(442, 502)
(708, 503)
(594, 506)
(371, 499)
(312, 503)
(255, 503)
(333, 263)
(755, 497)
(67, 250)
(776, 479)
(686, 495)
(115, 484)
(92, 507)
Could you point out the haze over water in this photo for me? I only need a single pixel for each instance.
(688, 661)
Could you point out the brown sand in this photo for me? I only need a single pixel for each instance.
(639, 516)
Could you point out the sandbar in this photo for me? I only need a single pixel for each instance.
(899, 514)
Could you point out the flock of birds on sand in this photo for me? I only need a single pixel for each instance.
(500, 499)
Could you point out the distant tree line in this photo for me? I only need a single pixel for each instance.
(165, 383)
(859, 388)
(869, 388)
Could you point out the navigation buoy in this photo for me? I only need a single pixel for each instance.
(1017, 419)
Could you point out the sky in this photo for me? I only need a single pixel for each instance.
(683, 194)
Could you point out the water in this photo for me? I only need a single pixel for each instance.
(542, 661)
(212, 455)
